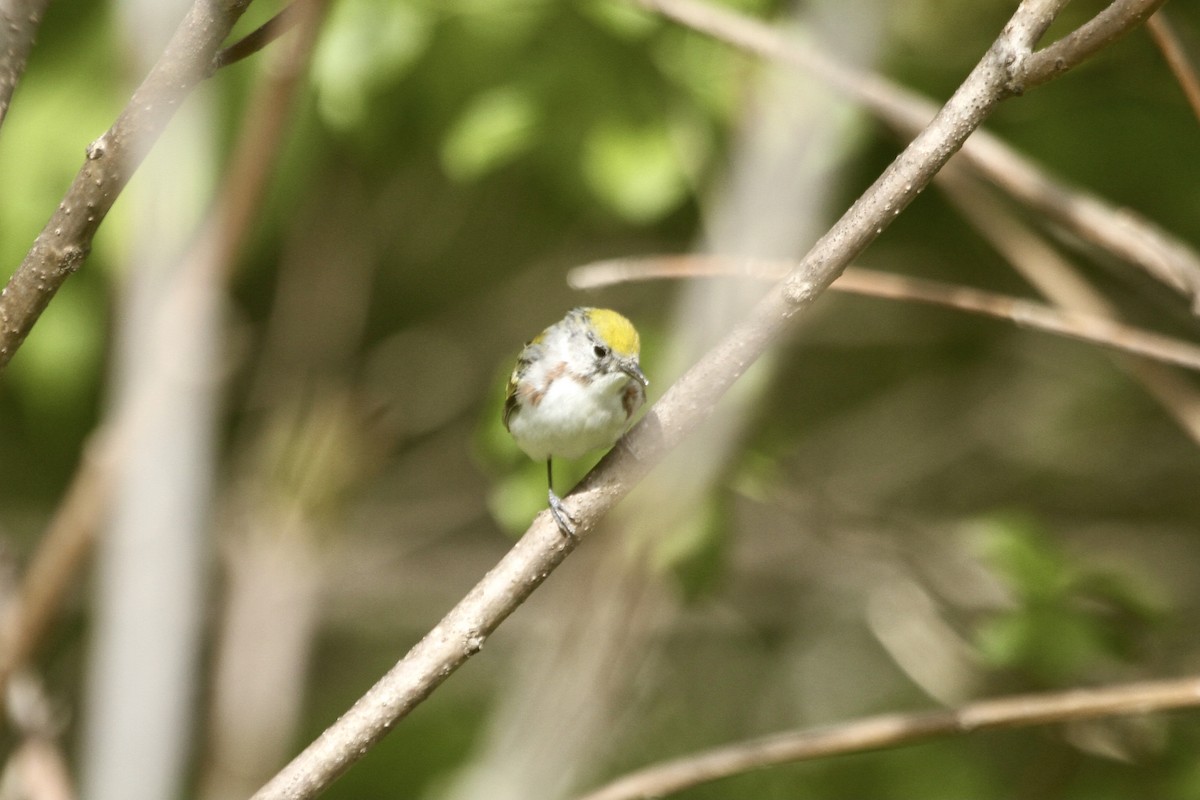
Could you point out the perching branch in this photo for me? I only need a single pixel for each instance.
(685, 405)
(894, 730)
(872, 283)
(65, 242)
(1118, 230)
(19, 21)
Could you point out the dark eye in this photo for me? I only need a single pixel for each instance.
(601, 351)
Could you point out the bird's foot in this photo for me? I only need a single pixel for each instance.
(566, 523)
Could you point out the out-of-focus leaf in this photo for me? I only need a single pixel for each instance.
(635, 170)
(1067, 617)
(496, 127)
(1024, 557)
(694, 549)
(621, 19)
(366, 44)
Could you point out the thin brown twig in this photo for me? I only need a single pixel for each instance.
(64, 244)
(1118, 230)
(684, 406)
(19, 22)
(857, 280)
(260, 37)
(1176, 57)
(895, 730)
(1057, 279)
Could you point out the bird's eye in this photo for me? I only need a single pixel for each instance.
(601, 351)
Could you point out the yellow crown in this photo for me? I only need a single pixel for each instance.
(616, 331)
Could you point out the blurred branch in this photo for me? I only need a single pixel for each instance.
(64, 244)
(56, 565)
(260, 37)
(19, 21)
(37, 767)
(684, 406)
(856, 280)
(67, 542)
(894, 730)
(1057, 279)
(1120, 231)
(1177, 58)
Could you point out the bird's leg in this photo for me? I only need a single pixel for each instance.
(566, 523)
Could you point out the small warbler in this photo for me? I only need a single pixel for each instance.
(574, 389)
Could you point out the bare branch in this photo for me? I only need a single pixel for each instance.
(686, 404)
(872, 283)
(1177, 59)
(1118, 19)
(19, 21)
(894, 730)
(65, 242)
(1120, 231)
(258, 38)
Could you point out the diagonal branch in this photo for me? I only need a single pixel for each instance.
(895, 730)
(1177, 58)
(260, 37)
(65, 242)
(1120, 231)
(685, 405)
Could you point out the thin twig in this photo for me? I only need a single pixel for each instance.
(1177, 58)
(1112, 23)
(1118, 230)
(686, 404)
(894, 730)
(1059, 281)
(19, 22)
(872, 283)
(260, 37)
(65, 242)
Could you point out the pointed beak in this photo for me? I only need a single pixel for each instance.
(632, 369)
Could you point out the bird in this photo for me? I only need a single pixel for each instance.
(575, 388)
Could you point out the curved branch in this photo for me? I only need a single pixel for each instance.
(65, 242)
(685, 405)
(873, 283)
(894, 730)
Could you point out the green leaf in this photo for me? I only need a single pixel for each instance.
(635, 170)
(496, 127)
(366, 44)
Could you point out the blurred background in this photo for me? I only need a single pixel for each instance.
(900, 508)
